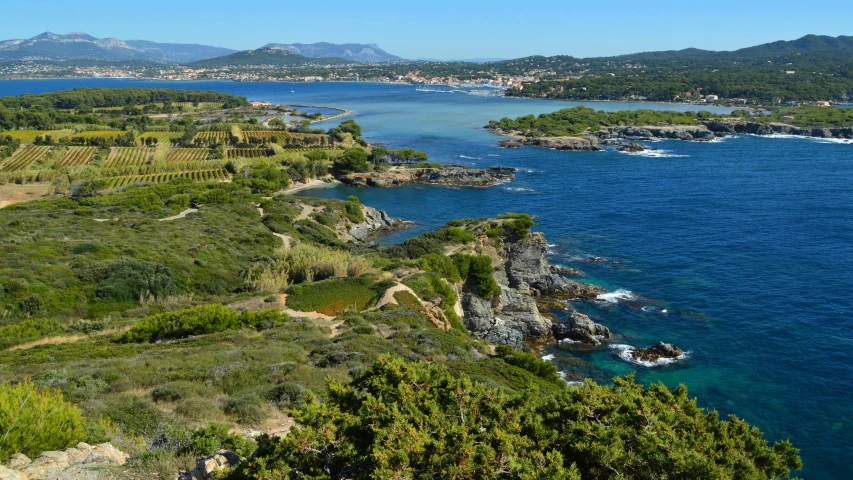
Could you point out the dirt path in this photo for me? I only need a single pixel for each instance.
(388, 297)
(68, 338)
(306, 211)
(180, 215)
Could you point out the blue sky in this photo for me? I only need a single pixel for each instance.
(439, 28)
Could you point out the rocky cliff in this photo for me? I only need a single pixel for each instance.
(525, 277)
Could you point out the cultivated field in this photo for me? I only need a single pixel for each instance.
(125, 156)
(189, 154)
(267, 135)
(97, 134)
(219, 174)
(162, 137)
(248, 152)
(213, 135)
(23, 158)
(29, 136)
(75, 156)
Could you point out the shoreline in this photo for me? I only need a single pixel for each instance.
(309, 185)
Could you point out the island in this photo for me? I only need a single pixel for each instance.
(585, 129)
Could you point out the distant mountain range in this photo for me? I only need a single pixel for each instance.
(356, 52)
(275, 56)
(72, 46)
(81, 46)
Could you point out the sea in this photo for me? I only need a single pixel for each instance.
(739, 251)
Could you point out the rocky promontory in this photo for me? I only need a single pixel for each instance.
(449, 176)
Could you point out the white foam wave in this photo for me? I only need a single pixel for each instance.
(492, 155)
(469, 158)
(626, 353)
(530, 170)
(783, 136)
(614, 297)
(519, 189)
(548, 358)
(655, 154)
(570, 383)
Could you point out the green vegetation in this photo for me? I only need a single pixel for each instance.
(520, 223)
(399, 419)
(36, 419)
(199, 321)
(336, 295)
(578, 120)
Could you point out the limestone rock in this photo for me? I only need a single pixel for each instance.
(207, 467)
(73, 463)
(9, 474)
(374, 221)
(632, 147)
(18, 460)
(582, 144)
(511, 144)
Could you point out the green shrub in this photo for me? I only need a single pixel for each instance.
(440, 264)
(479, 269)
(336, 295)
(28, 330)
(354, 210)
(246, 408)
(520, 223)
(206, 441)
(198, 321)
(130, 279)
(34, 420)
(529, 362)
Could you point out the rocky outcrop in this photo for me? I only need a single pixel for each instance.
(580, 329)
(657, 352)
(451, 176)
(577, 144)
(210, 467)
(525, 276)
(511, 144)
(675, 132)
(755, 128)
(80, 463)
(375, 221)
(632, 147)
(9, 474)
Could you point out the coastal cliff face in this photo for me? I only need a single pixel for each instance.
(450, 176)
(375, 221)
(525, 277)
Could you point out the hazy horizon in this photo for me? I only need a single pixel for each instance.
(442, 29)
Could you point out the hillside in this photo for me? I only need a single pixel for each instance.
(267, 56)
(51, 46)
(358, 52)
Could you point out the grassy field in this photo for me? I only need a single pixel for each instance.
(23, 158)
(336, 295)
(76, 156)
(125, 156)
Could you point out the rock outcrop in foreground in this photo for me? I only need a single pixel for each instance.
(449, 176)
(85, 462)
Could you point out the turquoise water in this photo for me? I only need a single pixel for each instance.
(747, 243)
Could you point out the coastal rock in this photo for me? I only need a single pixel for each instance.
(632, 147)
(374, 221)
(481, 320)
(511, 144)
(657, 352)
(582, 144)
(452, 176)
(582, 329)
(208, 468)
(73, 463)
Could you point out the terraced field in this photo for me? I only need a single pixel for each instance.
(125, 156)
(200, 104)
(23, 158)
(218, 175)
(248, 152)
(189, 154)
(267, 135)
(309, 149)
(75, 156)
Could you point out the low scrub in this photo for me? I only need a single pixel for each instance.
(336, 295)
(199, 321)
(308, 263)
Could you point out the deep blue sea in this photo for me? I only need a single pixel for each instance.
(739, 251)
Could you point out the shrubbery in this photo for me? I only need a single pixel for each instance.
(33, 420)
(199, 321)
(414, 420)
(478, 268)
